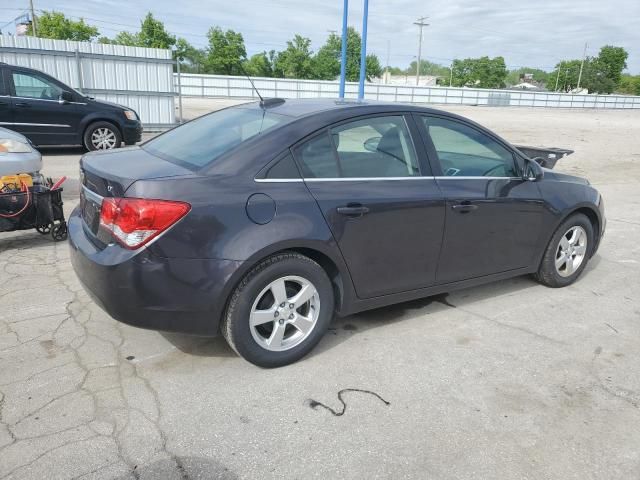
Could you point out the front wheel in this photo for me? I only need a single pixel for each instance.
(102, 136)
(568, 252)
(280, 310)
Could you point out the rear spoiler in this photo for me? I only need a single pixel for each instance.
(546, 157)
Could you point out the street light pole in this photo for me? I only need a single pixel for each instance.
(363, 51)
(343, 56)
(420, 24)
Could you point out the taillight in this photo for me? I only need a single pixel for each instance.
(134, 222)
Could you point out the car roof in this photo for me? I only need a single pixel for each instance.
(311, 106)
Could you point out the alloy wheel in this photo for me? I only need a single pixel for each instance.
(103, 138)
(571, 251)
(284, 313)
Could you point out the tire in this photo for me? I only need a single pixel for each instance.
(254, 317)
(102, 136)
(59, 232)
(570, 265)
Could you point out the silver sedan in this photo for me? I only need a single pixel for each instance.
(17, 155)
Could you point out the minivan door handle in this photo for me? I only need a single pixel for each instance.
(22, 105)
(353, 210)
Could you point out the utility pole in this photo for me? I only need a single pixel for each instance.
(558, 77)
(584, 55)
(421, 24)
(33, 19)
(386, 70)
(451, 74)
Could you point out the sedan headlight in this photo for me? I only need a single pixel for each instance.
(130, 114)
(10, 145)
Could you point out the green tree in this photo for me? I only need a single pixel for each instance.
(611, 61)
(191, 58)
(152, 34)
(296, 61)
(260, 64)
(600, 74)
(565, 75)
(57, 26)
(226, 52)
(428, 68)
(327, 60)
(483, 72)
(629, 85)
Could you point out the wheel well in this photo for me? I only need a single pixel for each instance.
(329, 267)
(595, 222)
(593, 218)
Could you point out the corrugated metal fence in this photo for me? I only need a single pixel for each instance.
(139, 78)
(227, 86)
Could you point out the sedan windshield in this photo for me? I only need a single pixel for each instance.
(199, 142)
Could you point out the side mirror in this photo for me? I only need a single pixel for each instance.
(65, 97)
(532, 171)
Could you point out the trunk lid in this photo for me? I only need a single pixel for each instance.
(110, 174)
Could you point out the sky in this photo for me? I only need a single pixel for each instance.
(532, 33)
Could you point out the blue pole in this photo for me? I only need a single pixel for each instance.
(343, 59)
(363, 50)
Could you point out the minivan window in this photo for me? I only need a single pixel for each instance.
(33, 86)
(199, 142)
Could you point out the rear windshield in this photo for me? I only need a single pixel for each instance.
(199, 142)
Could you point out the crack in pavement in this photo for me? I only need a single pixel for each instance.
(90, 345)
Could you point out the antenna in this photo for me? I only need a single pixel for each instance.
(252, 84)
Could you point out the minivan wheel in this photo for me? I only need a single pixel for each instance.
(568, 252)
(280, 310)
(102, 136)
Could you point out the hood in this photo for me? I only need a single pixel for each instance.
(564, 177)
(111, 104)
(112, 172)
(6, 133)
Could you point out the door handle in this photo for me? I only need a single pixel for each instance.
(464, 207)
(22, 105)
(353, 210)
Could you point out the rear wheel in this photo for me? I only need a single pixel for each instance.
(568, 252)
(280, 310)
(102, 136)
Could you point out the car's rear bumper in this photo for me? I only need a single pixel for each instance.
(147, 291)
(132, 132)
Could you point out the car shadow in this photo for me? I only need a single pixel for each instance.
(23, 240)
(342, 329)
(200, 346)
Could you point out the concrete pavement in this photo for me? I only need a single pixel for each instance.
(508, 380)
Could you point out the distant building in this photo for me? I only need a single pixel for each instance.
(527, 86)
(409, 80)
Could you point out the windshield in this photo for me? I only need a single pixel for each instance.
(199, 142)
